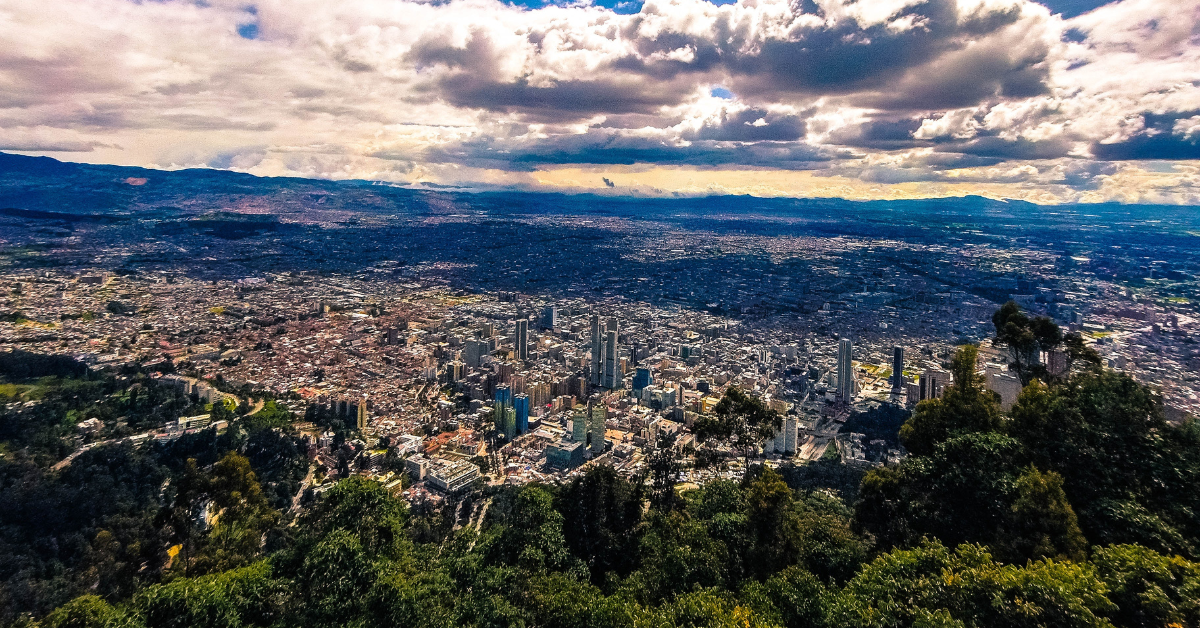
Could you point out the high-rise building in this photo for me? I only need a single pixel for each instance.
(597, 371)
(845, 370)
(549, 317)
(785, 438)
(521, 407)
(897, 369)
(501, 407)
(504, 395)
(641, 379)
(510, 422)
(613, 377)
(362, 414)
(474, 351)
(933, 383)
(522, 339)
(596, 427)
(579, 425)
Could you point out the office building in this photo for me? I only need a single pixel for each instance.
(613, 376)
(933, 383)
(845, 371)
(579, 426)
(450, 476)
(565, 454)
(784, 442)
(597, 369)
(361, 414)
(521, 407)
(521, 339)
(549, 317)
(641, 380)
(474, 350)
(897, 370)
(596, 428)
(510, 422)
(504, 395)
(1005, 384)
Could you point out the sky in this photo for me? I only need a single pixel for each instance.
(1066, 101)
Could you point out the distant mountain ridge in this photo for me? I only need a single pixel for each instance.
(49, 185)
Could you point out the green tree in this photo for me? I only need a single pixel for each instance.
(1042, 523)
(601, 513)
(793, 598)
(931, 586)
(88, 611)
(1148, 588)
(739, 420)
(663, 465)
(1025, 338)
(181, 517)
(532, 538)
(965, 407)
(772, 524)
(363, 508)
(243, 516)
(1130, 475)
(248, 596)
(677, 554)
(334, 579)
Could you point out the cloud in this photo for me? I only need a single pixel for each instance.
(486, 94)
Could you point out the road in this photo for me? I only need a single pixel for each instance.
(304, 484)
(62, 464)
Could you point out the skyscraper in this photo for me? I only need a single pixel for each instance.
(613, 378)
(522, 339)
(579, 425)
(362, 414)
(504, 395)
(642, 379)
(549, 317)
(597, 371)
(596, 427)
(510, 422)
(500, 409)
(933, 383)
(521, 406)
(897, 370)
(845, 370)
(789, 431)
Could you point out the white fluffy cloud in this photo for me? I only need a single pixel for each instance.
(997, 93)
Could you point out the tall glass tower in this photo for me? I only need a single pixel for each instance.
(845, 370)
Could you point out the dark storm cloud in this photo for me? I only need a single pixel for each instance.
(1158, 140)
(468, 78)
(564, 100)
(751, 125)
(844, 58)
(876, 62)
(1010, 149)
(878, 134)
(609, 147)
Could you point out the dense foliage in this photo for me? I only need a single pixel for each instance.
(120, 517)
